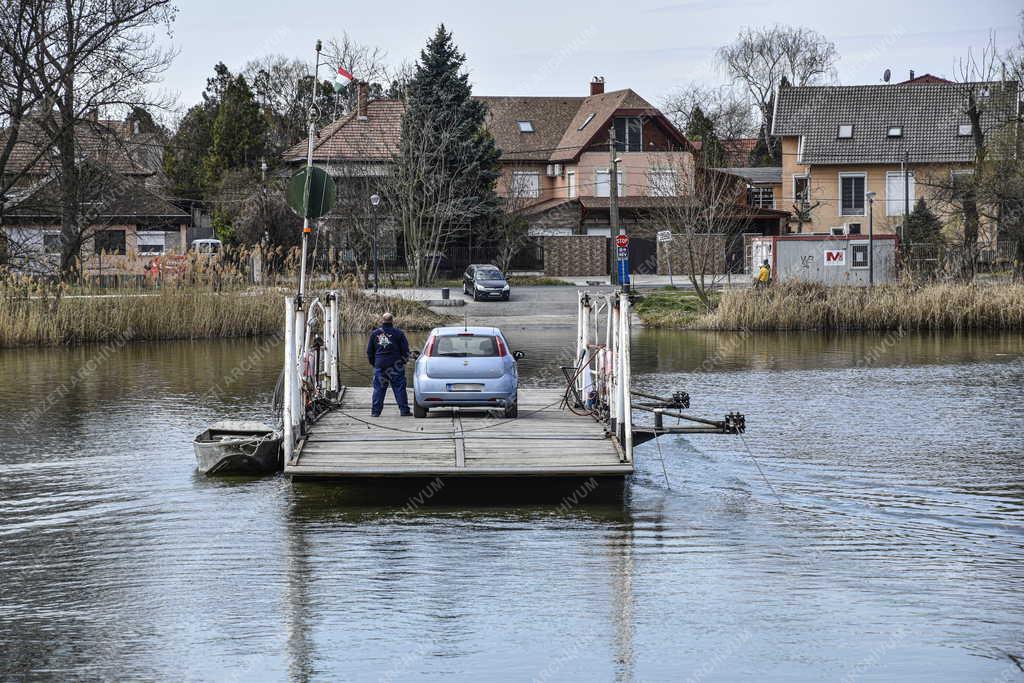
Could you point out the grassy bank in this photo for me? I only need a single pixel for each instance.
(669, 308)
(806, 306)
(49, 315)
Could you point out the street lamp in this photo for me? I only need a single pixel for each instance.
(375, 202)
(871, 238)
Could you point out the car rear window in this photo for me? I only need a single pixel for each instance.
(489, 274)
(465, 345)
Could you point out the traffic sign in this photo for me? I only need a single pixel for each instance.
(664, 235)
(623, 253)
(622, 240)
(322, 193)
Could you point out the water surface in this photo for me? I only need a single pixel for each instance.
(884, 540)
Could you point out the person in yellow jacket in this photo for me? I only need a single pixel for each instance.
(764, 276)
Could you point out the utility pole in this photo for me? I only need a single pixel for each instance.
(613, 198)
(306, 229)
(871, 239)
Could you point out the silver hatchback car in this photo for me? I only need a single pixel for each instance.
(466, 367)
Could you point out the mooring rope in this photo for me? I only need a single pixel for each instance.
(751, 454)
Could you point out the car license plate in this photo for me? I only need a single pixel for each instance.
(465, 387)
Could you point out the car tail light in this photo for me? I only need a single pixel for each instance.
(430, 346)
(501, 346)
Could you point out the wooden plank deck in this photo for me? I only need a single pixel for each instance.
(544, 441)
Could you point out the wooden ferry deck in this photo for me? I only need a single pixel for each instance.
(545, 441)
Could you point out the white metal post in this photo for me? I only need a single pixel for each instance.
(616, 397)
(288, 403)
(298, 350)
(333, 347)
(627, 377)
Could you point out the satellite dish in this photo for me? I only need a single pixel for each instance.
(887, 75)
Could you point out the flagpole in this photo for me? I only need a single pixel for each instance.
(306, 229)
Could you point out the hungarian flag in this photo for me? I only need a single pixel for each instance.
(342, 79)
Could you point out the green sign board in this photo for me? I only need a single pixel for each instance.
(322, 193)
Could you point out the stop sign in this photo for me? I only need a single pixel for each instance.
(622, 240)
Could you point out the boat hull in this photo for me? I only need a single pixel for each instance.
(238, 448)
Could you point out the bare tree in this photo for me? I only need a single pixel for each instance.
(985, 191)
(705, 211)
(96, 55)
(424, 194)
(761, 59)
(511, 228)
(729, 111)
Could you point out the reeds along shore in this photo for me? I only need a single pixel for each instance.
(811, 306)
(34, 314)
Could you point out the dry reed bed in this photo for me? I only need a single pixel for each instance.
(808, 306)
(44, 316)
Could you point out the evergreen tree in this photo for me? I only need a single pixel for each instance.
(923, 226)
(237, 132)
(183, 156)
(700, 127)
(764, 154)
(443, 121)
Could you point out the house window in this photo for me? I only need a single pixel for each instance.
(525, 126)
(109, 242)
(895, 131)
(629, 133)
(570, 177)
(964, 129)
(801, 189)
(602, 184)
(525, 184)
(845, 130)
(858, 254)
(894, 197)
(590, 117)
(662, 183)
(852, 189)
(52, 243)
(761, 197)
(152, 243)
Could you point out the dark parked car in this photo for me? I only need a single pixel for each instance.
(484, 281)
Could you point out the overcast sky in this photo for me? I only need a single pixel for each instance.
(554, 47)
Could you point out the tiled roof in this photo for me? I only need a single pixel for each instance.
(592, 116)
(925, 78)
(556, 121)
(350, 138)
(757, 174)
(550, 116)
(737, 150)
(132, 200)
(929, 114)
(109, 142)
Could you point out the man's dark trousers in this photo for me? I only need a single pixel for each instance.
(382, 377)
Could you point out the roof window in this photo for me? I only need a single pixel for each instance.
(590, 117)
(895, 131)
(964, 129)
(845, 130)
(525, 126)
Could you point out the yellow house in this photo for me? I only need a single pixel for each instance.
(859, 155)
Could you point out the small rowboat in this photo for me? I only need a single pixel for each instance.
(238, 447)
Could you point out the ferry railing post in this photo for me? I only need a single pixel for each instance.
(288, 403)
(332, 348)
(627, 400)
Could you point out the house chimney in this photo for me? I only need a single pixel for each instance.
(911, 74)
(362, 95)
(597, 85)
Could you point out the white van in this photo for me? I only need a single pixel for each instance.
(207, 246)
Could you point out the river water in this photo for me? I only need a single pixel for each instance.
(883, 541)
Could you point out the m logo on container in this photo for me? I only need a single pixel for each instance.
(835, 257)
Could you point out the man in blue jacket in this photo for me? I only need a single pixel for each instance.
(388, 352)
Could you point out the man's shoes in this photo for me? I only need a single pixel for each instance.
(407, 414)
(374, 414)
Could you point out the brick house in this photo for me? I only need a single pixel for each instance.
(840, 143)
(129, 219)
(554, 160)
